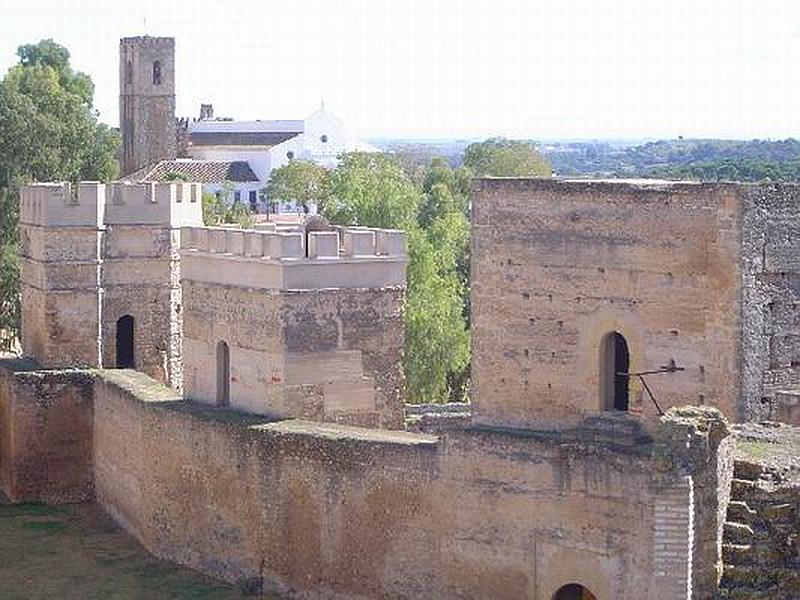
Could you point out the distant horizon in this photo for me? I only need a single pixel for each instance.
(631, 140)
(447, 69)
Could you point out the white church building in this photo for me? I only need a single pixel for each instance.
(244, 153)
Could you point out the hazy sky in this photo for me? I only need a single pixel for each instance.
(454, 68)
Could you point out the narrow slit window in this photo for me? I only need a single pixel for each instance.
(223, 374)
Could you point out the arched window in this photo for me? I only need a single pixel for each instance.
(614, 365)
(157, 72)
(573, 591)
(223, 374)
(129, 72)
(125, 351)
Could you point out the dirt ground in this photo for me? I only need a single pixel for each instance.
(77, 552)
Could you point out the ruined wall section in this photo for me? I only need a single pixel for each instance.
(60, 229)
(317, 336)
(46, 439)
(771, 298)
(556, 265)
(141, 272)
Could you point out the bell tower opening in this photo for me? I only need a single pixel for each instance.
(614, 367)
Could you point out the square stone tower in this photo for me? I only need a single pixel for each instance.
(101, 274)
(60, 228)
(577, 286)
(285, 326)
(140, 276)
(146, 100)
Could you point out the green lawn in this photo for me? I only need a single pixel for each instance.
(77, 552)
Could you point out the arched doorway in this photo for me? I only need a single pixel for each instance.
(614, 360)
(125, 342)
(223, 374)
(573, 591)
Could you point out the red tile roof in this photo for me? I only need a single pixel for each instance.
(200, 171)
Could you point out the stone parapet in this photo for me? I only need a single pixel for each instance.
(93, 204)
(348, 258)
(62, 204)
(173, 204)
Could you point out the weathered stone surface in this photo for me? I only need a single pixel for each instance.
(146, 108)
(760, 544)
(347, 342)
(46, 439)
(700, 275)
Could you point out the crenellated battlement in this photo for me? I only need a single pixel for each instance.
(147, 40)
(344, 243)
(94, 204)
(343, 258)
(174, 203)
(62, 205)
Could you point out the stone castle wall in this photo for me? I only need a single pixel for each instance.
(46, 433)
(311, 509)
(771, 299)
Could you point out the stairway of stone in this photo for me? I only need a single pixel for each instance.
(760, 538)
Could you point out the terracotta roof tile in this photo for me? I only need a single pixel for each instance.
(200, 171)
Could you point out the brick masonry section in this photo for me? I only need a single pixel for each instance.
(674, 540)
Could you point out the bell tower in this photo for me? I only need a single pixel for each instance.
(146, 100)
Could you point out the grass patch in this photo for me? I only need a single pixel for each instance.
(27, 510)
(756, 450)
(76, 551)
(49, 527)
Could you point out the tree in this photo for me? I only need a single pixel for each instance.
(498, 157)
(48, 131)
(220, 208)
(370, 189)
(175, 176)
(437, 340)
(373, 190)
(301, 182)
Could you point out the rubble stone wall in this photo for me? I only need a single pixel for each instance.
(46, 440)
(771, 298)
(313, 509)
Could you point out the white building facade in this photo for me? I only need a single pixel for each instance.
(267, 145)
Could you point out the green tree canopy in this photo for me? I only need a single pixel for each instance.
(49, 54)
(498, 157)
(48, 132)
(299, 181)
(370, 189)
(221, 208)
(373, 190)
